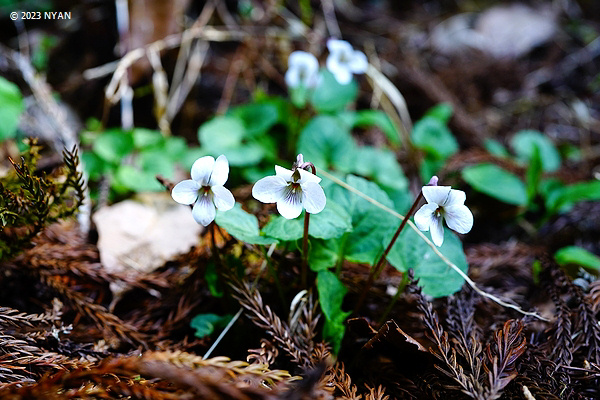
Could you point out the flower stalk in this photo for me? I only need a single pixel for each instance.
(375, 271)
(304, 271)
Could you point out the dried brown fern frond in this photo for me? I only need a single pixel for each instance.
(24, 361)
(263, 317)
(343, 382)
(560, 345)
(14, 319)
(105, 320)
(594, 295)
(267, 353)
(508, 345)
(376, 394)
(467, 380)
(160, 375)
(303, 322)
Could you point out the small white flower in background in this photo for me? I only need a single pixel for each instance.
(443, 202)
(292, 190)
(205, 190)
(343, 61)
(302, 70)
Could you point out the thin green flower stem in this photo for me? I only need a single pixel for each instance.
(399, 291)
(304, 271)
(433, 247)
(374, 272)
(239, 313)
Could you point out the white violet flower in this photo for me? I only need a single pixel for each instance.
(343, 60)
(292, 191)
(205, 190)
(302, 70)
(443, 202)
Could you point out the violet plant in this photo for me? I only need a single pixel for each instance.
(354, 222)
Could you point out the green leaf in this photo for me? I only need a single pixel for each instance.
(330, 223)
(429, 167)
(365, 118)
(326, 141)
(333, 331)
(370, 223)
(191, 155)
(298, 95)
(144, 138)
(496, 182)
(94, 165)
(113, 145)
(533, 174)
(495, 148)
(257, 117)
(436, 278)
(212, 280)
(241, 225)
(329, 96)
(331, 296)
(524, 142)
(323, 254)
(563, 197)
(205, 324)
(11, 107)
(284, 229)
(175, 147)
(579, 256)
(221, 133)
(138, 181)
(246, 154)
(442, 112)
(432, 135)
(157, 162)
(380, 165)
(364, 244)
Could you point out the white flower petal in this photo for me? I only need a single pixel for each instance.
(436, 194)
(284, 173)
(269, 189)
(202, 169)
(220, 172)
(185, 192)
(437, 231)
(458, 218)
(204, 210)
(223, 198)
(340, 72)
(306, 176)
(456, 198)
(313, 197)
(302, 69)
(290, 205)
(424, 216)
(336, 46)
(292, 77)
(359, 63)
(303, 59)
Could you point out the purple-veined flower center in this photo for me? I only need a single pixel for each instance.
(439, 211)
